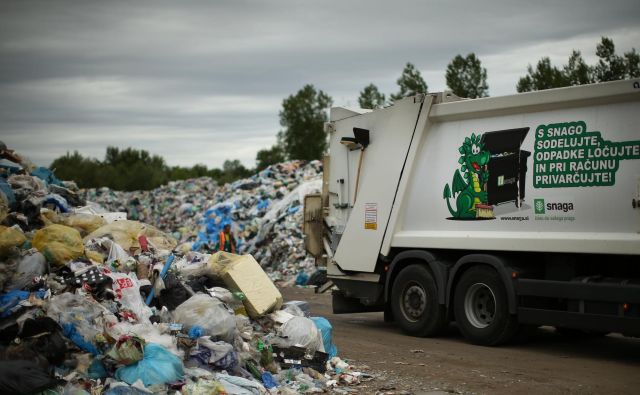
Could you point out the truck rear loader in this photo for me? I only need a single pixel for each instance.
(494, 213)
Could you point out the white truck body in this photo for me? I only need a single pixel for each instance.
(583, 173)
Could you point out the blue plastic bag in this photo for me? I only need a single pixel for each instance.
(58, 201)
(70, 332)
(325, 328)
(268, 380)
(8, 192)
(46, 175)
(158, 366)
(196, 332)
(302, 278)
(9, 301)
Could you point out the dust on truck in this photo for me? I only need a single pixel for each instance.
(494, 213)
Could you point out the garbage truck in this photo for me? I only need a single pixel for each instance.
(497, 213)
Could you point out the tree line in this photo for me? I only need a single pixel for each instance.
(304, 113)
(132, 169)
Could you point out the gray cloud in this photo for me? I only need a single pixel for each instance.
(199, 82)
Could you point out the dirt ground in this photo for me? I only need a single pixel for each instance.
(543, 363)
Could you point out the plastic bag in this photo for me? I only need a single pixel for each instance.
(24, 185)
(235, 385)
(84, 223)
(24, 377)
(296, 307)
(5, 189)
(83, 313)
(204, 387)
(209, 313)
(14, 301)
(302, 278)
(32, 264)
(46, 175)
(126, 233)
(53, 200)
(325, 328)
(156, 334)
(9, 238)
(301, 332)
(193, 265)
(117, 253)
(58, 243)
(42, 336)
(128, 350)
(127, 288)
(158, 366)
(227, 297)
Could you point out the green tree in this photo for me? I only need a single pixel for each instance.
(268, 157)
(632, 60)
(84, 171)
(371, 98)
(233, 170)
(466, 77)
(545, 76)
(610, 67)
(410, 83)
(576, 71)
(303, 116)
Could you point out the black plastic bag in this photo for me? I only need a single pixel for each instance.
(24, 377)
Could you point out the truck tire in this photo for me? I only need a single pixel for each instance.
(414, 302)
(481, 308)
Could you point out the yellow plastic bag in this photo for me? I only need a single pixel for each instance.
(95, 256)
(58, 243)
(49, 217)
(126, 234)
(4, 207)
(9, 238)
(84, 223)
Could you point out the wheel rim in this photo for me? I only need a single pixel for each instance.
(480, 305)
(414, 301)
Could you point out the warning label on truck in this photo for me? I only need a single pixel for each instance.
(567, 155)
(371, 216)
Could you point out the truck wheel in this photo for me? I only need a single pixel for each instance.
(414, 302)
(481, 308)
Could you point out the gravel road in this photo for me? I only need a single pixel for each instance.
(542, 363)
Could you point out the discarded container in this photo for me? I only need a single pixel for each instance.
(242, 273)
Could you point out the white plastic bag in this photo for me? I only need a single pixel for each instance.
(127, 289)
(209, 314)
(301, 332)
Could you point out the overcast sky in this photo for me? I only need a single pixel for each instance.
(203, 81)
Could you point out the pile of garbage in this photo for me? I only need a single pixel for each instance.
(264, 211)
(91, 303)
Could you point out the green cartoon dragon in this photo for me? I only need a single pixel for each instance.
(468, 185)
